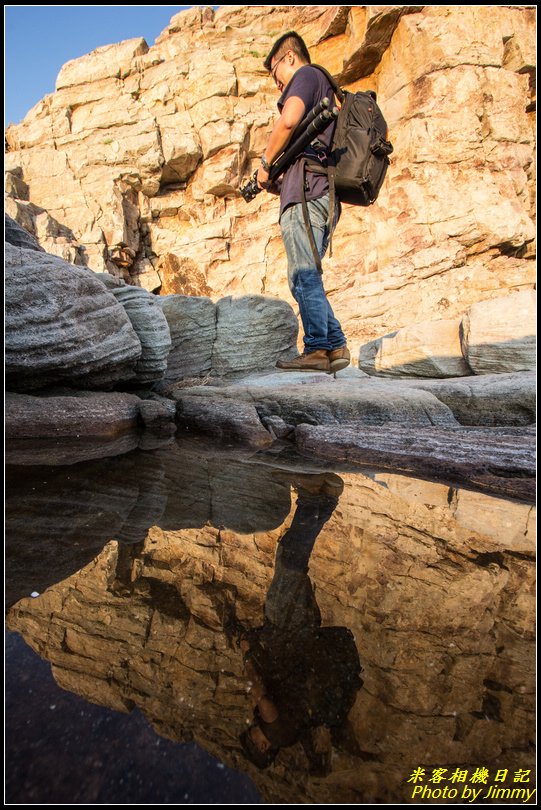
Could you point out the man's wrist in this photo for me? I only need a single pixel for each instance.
(265, 163)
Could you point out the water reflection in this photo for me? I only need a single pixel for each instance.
(70, 513)
(304, 677)
(148, 565)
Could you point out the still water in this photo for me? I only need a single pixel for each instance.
(188, 625)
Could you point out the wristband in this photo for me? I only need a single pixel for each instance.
(265, 163)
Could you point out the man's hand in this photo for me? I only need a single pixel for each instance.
(263, 178)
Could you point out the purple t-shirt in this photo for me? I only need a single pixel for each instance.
(311, 86)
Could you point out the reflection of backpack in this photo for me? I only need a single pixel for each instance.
(332, 686)
(314, 672)
(359, 156)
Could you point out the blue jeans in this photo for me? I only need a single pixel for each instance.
(321, 328)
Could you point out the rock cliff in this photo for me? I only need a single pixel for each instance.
(133, 164)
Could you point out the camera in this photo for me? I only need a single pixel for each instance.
(251, 189)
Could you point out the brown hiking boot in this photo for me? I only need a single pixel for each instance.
(314, 361)
(339, 358)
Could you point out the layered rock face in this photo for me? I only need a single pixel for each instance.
(63, 325)
(141, 150)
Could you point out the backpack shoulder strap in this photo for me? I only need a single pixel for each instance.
(338, 92)
(307, 223)
(330, 172)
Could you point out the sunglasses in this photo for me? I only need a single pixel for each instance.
(273, 71)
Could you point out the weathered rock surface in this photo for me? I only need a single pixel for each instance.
(362, 406)
(62, 325)
(69, 429)
(157, 413)
(19, 236)
(140, 152)
(224, 419)
(499, 460)
(324, 400)
(491, 400)
(230, 339)
(500, 335)
(192, 325)
(430, 349)
(150, 325)
(493, 337)
(65, 426)
(328, 401)
(440, 601)
(93, 415)
(252, 333)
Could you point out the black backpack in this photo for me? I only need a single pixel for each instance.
(359, 156)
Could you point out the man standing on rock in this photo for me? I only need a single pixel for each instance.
(302, 87)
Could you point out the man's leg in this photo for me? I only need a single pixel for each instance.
(322, 330)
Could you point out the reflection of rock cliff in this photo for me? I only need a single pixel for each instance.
(435, 584)
(140, 151)
(70, 513)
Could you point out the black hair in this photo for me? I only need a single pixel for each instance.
(288, 42)
(260, 758)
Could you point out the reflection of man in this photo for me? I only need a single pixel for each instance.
(304, 677)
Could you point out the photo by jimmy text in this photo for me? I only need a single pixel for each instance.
(472, 786)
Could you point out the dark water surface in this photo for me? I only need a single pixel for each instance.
(62, 749)
(193, 625)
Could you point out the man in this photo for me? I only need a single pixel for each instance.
(304, 677)
(302, 87)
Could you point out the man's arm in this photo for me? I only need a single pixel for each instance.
(293, 112)
(267, 707)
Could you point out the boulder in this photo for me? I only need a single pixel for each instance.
(68, 428)
(252, 333)
(490, 400)
(150, 326)
(62, 325)
(192, 325)
(429, 349)
(223, 419)
(497, 460)
(325, 401)
(498, 335)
